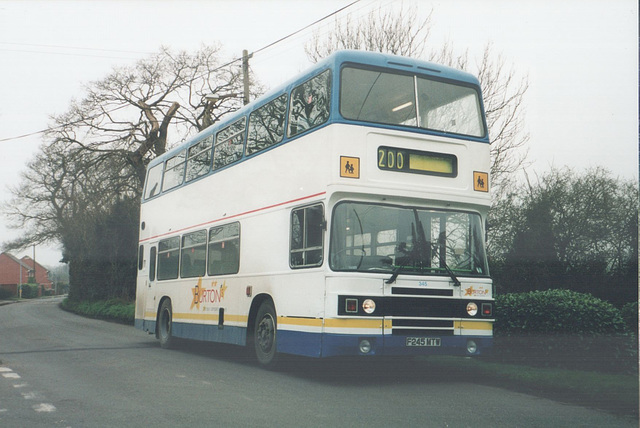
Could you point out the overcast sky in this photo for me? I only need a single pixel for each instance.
(581, 58)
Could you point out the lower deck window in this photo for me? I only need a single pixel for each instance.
(168, 258)
(307, 227)
(224, 249)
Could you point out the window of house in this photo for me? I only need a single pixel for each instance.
(307, 231)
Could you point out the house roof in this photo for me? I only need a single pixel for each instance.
(20, 262)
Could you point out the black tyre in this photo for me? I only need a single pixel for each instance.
(165, 325)
(264, 336)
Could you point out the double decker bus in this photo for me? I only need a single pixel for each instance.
(341, 214)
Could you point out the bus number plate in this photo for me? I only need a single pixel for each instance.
(423, 341)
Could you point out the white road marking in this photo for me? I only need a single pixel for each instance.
(11, 375)
(40, 408)
(44, 407)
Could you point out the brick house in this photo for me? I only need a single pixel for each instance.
(13, 270)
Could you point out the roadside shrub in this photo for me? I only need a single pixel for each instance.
(562, 328)
(630, 316)
(113, 310)
(29, 291)
(556, 312)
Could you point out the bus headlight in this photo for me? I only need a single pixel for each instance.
(369, 306)
(472, 309)
(472, 348)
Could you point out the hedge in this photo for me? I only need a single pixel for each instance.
(29, 291)
(118, 310)
(630, 315)
(562, 328)
(556, 312)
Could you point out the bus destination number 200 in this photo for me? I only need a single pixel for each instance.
(417, 162)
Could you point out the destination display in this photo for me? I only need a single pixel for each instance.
(417, 162)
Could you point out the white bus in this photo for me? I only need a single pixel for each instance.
(341, 214)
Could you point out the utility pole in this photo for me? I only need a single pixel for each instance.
(245, 74)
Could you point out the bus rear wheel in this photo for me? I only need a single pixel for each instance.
(264, 336)
(165, 325)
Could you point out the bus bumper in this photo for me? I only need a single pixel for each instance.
(335, 345)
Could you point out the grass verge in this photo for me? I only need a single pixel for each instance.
(111, 310)
(616, 393)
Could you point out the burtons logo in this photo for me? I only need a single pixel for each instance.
(476, 291)
(207, 295)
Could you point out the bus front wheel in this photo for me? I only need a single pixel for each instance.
(165, 325)
(264, 335)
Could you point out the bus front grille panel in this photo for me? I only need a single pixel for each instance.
(421, 327)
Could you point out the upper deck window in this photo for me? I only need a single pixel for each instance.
(154, 179)
(310, 104)
(199, 159)
(174, 171)
(266, 125)
(400, 99)
(229, 144)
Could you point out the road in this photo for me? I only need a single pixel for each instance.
(62, 370)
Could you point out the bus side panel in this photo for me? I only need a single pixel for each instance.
(211, 333)
(300, 343)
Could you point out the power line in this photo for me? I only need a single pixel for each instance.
(197, 77)
(304, 28)
(73, 47)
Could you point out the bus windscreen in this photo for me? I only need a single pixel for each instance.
(405, 100)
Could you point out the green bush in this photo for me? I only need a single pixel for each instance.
(562, 328)
(556, 312)
(114, 310)
(630, 316)
(29, 291)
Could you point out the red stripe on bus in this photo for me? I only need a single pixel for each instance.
(234, 216)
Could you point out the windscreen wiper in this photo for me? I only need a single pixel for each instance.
(410, 256)
(443, 263)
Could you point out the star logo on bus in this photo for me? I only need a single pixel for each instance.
(196, 295)
(223, 288)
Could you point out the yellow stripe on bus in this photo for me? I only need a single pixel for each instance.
(334, 322)
(474, 325)
(353, 323)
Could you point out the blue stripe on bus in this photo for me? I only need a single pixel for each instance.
(326, 345)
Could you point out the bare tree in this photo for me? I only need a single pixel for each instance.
(400, 32)
(82, 189)
(131, 112)
(403, 32)
(98, 150)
